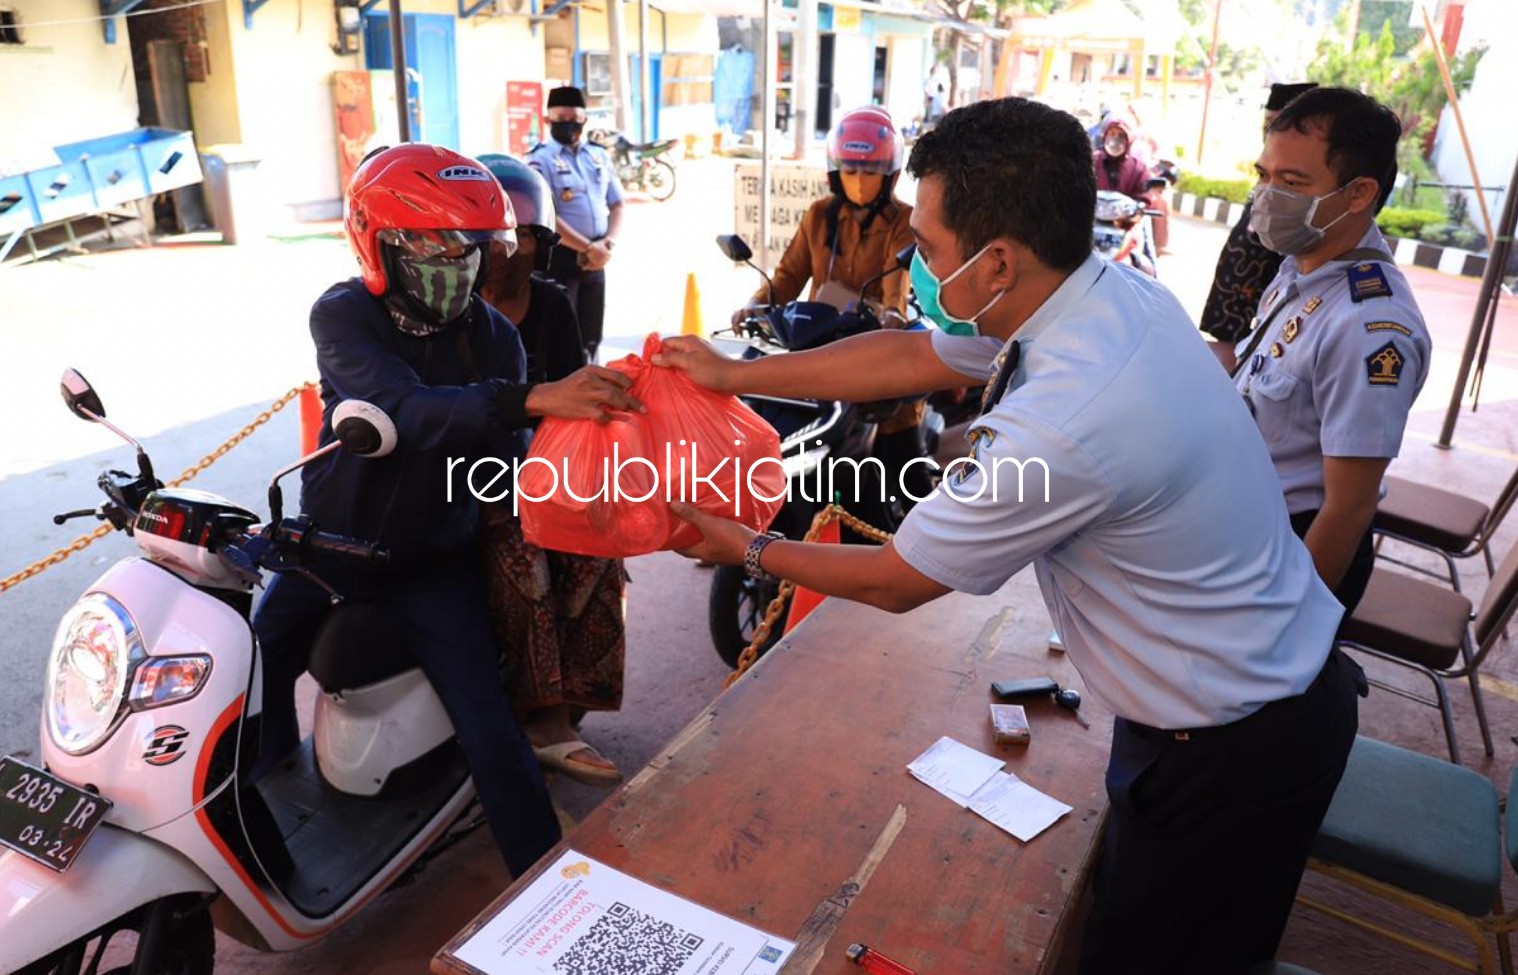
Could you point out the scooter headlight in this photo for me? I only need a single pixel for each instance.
(87, 673)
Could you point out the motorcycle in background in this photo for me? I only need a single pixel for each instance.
(815, 436)
(640, 165)
(1121, 232)
(142, 817)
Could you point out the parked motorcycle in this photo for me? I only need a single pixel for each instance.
(822, 442)
(640, 165)
(143, 817)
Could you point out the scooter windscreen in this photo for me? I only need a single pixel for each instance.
(804, 324)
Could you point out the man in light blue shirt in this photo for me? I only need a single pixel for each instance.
(1112, 456)
(588, 198)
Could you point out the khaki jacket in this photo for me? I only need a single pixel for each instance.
(861, 255)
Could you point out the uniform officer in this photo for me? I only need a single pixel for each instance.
(1246, 266)
(588, 197)
(1340, 351)
(1142, 495)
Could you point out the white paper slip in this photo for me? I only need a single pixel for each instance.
(954, 769)
(1016, 806)
(581, 916)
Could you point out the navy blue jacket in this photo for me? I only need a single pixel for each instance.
(440, 410)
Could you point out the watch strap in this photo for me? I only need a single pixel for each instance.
(755, 552)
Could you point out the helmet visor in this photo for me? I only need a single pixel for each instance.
(431, 243)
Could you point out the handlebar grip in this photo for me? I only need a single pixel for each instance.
(346, 547)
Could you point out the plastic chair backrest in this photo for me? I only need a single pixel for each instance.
(1499, 602)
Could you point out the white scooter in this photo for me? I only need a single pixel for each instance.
(143, 818)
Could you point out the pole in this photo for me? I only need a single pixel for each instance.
(650, 99)
(1454, 104)
(1212, 61)
(767, 120)
(616, 26)
(1491, 289)
(398, 63)
(804, 74)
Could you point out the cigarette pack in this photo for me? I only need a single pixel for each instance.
(1009, 724)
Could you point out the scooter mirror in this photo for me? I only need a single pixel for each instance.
(80, 396)
(735, 249)
(905, 255)
(363, 428)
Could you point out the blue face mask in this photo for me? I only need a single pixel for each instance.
(927, 288)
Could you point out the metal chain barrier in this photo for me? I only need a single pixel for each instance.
(84, 541)
(825, 517)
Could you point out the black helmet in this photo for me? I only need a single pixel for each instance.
(531, 200)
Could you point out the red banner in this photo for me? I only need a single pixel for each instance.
(524, 116)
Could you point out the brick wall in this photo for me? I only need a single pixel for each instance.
(173, 22)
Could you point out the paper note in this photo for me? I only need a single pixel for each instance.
(582, 917)
(1016, 806)
(954, 769)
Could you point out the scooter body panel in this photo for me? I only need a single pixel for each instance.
(118, 871)
(148, 766)
(364, 734)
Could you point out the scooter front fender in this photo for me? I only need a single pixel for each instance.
(118, 871)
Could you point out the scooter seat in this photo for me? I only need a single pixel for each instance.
(358, 645)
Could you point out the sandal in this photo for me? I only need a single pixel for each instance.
(556, 758)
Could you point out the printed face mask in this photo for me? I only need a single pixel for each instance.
(1115, 145)
(565, 133)
(1282, 218)
(437, 286)
(927, 288)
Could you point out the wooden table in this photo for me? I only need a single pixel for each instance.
(794, 783)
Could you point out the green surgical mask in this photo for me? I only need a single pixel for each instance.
(927, 288)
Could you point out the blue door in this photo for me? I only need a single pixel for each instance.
(431, 69)
(655, 68)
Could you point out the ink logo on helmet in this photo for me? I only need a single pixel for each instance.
(166, 746)
(858, 147)
(465, 173)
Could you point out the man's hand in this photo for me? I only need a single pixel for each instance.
(591, 393)
(723, 542)
(594, 257)
(698, 360)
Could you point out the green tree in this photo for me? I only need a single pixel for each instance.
(999, 12)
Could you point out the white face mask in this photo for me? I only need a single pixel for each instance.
(1283, 218)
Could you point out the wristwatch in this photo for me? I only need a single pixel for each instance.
(610, 242)
(754, 552)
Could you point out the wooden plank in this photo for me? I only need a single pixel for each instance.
(775, 797)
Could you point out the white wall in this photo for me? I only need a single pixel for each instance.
(906, 71)
(491, 52)
(62, 84)
(1487, 107)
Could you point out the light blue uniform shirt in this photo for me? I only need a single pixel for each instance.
(584, 183)
(1333, 377)
(1163, 549)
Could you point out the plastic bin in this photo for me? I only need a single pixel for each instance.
(131, 165)
(235, 191)
(18, 206)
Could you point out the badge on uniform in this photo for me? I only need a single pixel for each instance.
(1277, 350)
(1388, 327)
(975, 436)
(1293, 326)
(1367, 281)
(1270, 299)
(1384, 366)
(567, 195)
(1312, 305)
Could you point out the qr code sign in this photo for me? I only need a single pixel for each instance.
(625, 941)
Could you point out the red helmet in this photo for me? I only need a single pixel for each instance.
(866, 139)
(424, 199)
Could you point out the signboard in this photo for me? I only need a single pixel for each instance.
(353, 98)
(524, 116)
(847, 20)
(793, 188)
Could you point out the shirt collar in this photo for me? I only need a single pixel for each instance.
(1372, 238)
(1067, 294)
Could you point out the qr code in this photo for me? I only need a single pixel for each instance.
(625, 941)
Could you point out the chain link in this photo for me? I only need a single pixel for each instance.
(84, 541)
(825, 517)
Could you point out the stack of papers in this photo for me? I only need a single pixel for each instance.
(974, 781)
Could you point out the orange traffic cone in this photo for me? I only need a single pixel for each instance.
(803, 601)
(310, 419)
(690, 322)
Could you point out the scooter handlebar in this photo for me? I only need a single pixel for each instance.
(346, 547)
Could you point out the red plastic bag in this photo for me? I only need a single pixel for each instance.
(604, 489)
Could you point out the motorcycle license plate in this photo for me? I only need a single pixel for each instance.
(44, 818)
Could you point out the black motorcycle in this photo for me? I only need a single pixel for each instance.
(827, 446)
(640, 165)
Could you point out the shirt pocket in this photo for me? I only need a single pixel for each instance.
(1276, 404)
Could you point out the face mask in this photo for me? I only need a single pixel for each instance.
(1283, 218)
(928, 287)
(1116, 146)
(565, 133)
(508, 278)
(861, 189)
(437, 286)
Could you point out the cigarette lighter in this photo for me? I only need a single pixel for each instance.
(873, 961)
